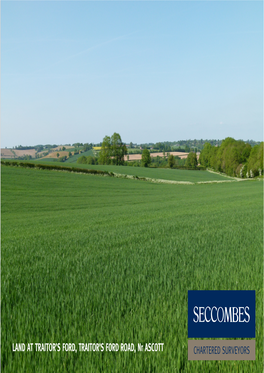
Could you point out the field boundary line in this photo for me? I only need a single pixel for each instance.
(152, 180)
(224, 175)
(222, 181)
(163, 181)
(118, 175)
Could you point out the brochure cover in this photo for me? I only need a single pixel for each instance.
(131, 186)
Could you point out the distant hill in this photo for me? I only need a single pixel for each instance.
(50, 151)
(17, 153)
(73, 159)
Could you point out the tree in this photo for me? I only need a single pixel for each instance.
(231, 157)
(82, 160)
(105, 152)
(90, 160)
(191, 160)
(255, 161)
(118, 149)
(234, 154)
(205, 155)
(171, 161)
(112, 150)
(58, 154)
(62, 159)
(87, 147)
(146, 159)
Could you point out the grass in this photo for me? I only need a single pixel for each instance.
(99, 259)
(156, 173)
(160, 173)
(43, 160)
(74, 158)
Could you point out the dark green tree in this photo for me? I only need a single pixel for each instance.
(205, 155)
(90, 159)
(234, 154)
(82, 160)
(118, 149)
(112, 150)
(146, 159)
(230, 157)
(105, 152)
(191, 160)
(171, 161)
(87, 147)
(255, 160)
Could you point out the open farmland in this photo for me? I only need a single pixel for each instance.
(22, 153)
(155, 173)
(59, 147)
(15, 153)
(74, 158)
(100, 259)
(7, 153)
(137, 157)
(54, 154)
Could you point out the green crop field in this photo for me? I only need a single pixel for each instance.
(156, 173)
(93, 259)
(159, 173)
(74, 158)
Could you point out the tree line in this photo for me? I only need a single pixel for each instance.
(113, 152)
(234, 157)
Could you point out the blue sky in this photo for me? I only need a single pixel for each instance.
(151, 71)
